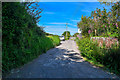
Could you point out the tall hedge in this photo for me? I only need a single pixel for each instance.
(22, 39)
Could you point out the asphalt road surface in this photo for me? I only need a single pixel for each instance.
(63, 61)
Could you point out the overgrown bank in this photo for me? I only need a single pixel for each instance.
(106, 24)
(23, 40)
(101, 56)
(55, 39)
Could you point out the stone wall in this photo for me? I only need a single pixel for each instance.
(107, 40)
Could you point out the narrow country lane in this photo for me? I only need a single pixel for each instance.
(64, 61)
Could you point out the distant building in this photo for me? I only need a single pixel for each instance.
(80, 33)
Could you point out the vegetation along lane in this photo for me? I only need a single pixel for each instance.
(63, 61)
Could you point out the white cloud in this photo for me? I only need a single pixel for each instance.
(76, 20)
(59, 29)
(72, 24)
(49, 13)
(56, 23)
(49, 26)
(54, 26)
(63, 24)
(85, 11)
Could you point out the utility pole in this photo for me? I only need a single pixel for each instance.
(66, 29)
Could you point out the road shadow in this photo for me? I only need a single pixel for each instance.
(72, 54)
(75, 57)
(61, 61)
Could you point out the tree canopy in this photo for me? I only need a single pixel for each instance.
(66, 34)
(101, 22)
(75, 35)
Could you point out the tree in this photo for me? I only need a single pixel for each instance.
(34, 9)
(102, 23)
(66, 34)
(75, 35)
(84, 25)
(20, 35)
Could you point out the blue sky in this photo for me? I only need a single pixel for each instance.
(56, 14)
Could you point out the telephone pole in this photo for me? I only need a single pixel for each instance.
(66, 29)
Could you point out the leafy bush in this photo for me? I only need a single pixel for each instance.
(68, 35)
(108, 57)
(101, 22)
(23, 40)
(75, 35)
(14, 57)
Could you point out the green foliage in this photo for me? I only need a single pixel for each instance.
(66, 36)
(84, 25)
(75, 35)
(102, 23)
(23, 40)
(107, 57)
(48, 34)
(14, 57)
(55, 39)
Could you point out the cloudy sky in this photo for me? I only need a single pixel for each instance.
(55, 15)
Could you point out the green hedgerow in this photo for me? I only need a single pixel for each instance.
(107, 57)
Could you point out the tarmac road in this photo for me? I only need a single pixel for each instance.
(63, 61)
